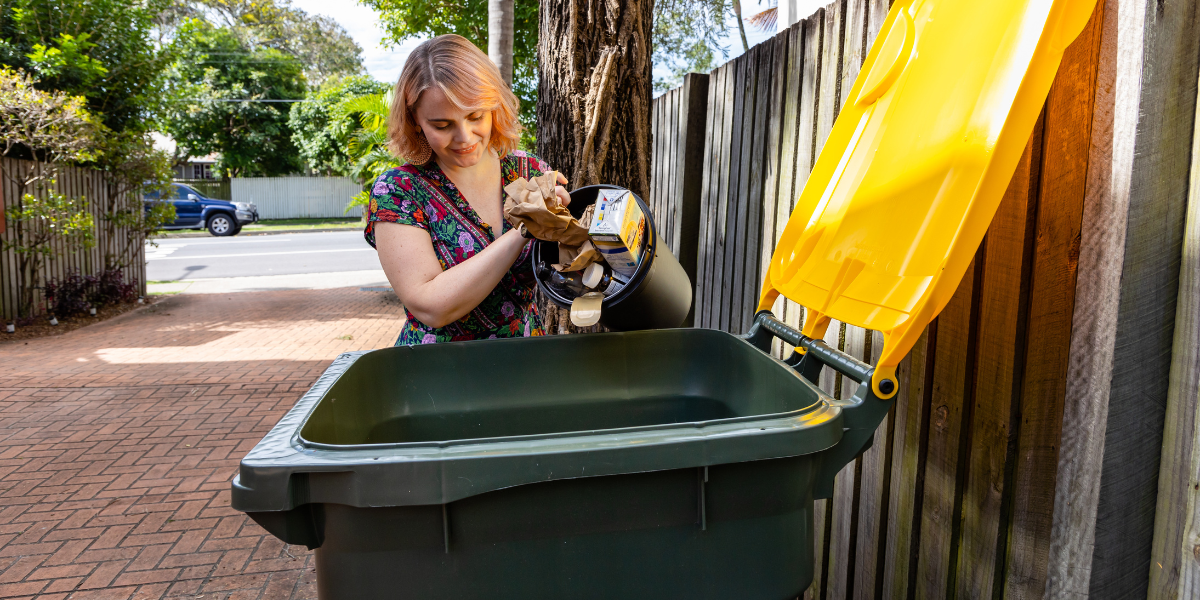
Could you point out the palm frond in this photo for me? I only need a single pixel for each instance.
(765, 20)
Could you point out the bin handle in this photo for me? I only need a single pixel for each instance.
(766, 325)
(862, 413)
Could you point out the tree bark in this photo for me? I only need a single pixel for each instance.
(594, 91)
(594, 86)
(500, 36)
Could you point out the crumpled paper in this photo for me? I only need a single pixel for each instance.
(532, 202)
(577, 258)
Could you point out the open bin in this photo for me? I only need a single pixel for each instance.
(674, 463)
(671, 463)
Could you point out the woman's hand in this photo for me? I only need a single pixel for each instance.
(436, 297)
(564, 197)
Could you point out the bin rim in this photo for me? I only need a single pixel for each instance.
(441, 472)
(492, 442)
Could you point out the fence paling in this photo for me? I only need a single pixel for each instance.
(956, 496)
(217, 189)
(297, 197)
(75, 182)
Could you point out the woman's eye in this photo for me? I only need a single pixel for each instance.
(441, 127)
(475, 117)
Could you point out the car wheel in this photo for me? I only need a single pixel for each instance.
(221, 225)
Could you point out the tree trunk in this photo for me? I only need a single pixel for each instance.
(500, 36)
(594, 98)
(737, 11)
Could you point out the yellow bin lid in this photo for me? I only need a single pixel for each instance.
(917, 162)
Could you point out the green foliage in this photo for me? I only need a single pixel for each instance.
(253, 138)
(37, 221)
(368, 148)
(407, 19)
(68, 58)
(49, 216)
(102, 50)
(323, 131)
(50, 127)
(134, 168)
(687, 38)
(325, 50)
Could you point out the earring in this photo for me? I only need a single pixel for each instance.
(423, 151)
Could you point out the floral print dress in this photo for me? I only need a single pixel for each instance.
(422, 196)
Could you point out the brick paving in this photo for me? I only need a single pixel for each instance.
(118, 442)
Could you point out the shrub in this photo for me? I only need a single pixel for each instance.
(75, 293)
(69, 295)
(111, 288)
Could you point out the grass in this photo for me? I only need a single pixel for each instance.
(303, 224)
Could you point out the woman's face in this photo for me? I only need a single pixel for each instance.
(458, 138)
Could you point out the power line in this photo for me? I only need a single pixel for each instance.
(233, 100)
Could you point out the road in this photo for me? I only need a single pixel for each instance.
(178, 259)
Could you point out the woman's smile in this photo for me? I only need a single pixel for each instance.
(465, 151)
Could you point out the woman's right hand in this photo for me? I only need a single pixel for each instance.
(436, 297)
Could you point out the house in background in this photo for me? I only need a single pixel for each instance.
(192, 167)
(203, 167)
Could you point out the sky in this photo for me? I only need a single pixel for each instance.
(384, 64)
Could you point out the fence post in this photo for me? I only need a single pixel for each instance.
(689, 175)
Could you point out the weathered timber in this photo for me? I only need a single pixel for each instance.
(1133, 442)
(1066, 143)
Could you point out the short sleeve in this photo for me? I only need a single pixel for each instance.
(524, 162)
(394, 199)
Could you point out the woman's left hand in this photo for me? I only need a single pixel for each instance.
(564, 197)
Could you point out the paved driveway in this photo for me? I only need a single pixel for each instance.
(118, 443)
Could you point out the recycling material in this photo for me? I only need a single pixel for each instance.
(609, 235)
(635, 279)
(618, 229)
(533, 203)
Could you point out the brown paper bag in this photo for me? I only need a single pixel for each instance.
(534, 203)
(577, 258)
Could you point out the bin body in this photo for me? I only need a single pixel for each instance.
(658, 464)
(619, 536)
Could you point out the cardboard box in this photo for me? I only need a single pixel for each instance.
(618, 231)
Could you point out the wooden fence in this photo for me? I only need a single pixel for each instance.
(217, 189)
(73, 182)
(1022, 456)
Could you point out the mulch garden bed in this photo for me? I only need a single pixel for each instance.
(41, 326)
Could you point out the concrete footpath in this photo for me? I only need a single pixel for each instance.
(374, 279)
(118, 443)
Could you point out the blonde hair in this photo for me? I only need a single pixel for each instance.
(468, 78)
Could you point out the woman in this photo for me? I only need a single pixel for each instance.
(461, 271)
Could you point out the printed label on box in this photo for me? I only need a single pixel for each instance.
(618, 231)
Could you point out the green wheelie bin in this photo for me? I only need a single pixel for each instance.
(674, 463)
(678, 463)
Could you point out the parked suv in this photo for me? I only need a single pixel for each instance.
(194, 211)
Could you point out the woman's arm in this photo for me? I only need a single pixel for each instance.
(434, 296)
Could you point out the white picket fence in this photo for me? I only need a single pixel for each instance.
(297, 197)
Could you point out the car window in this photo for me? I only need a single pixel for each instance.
(182, 192)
